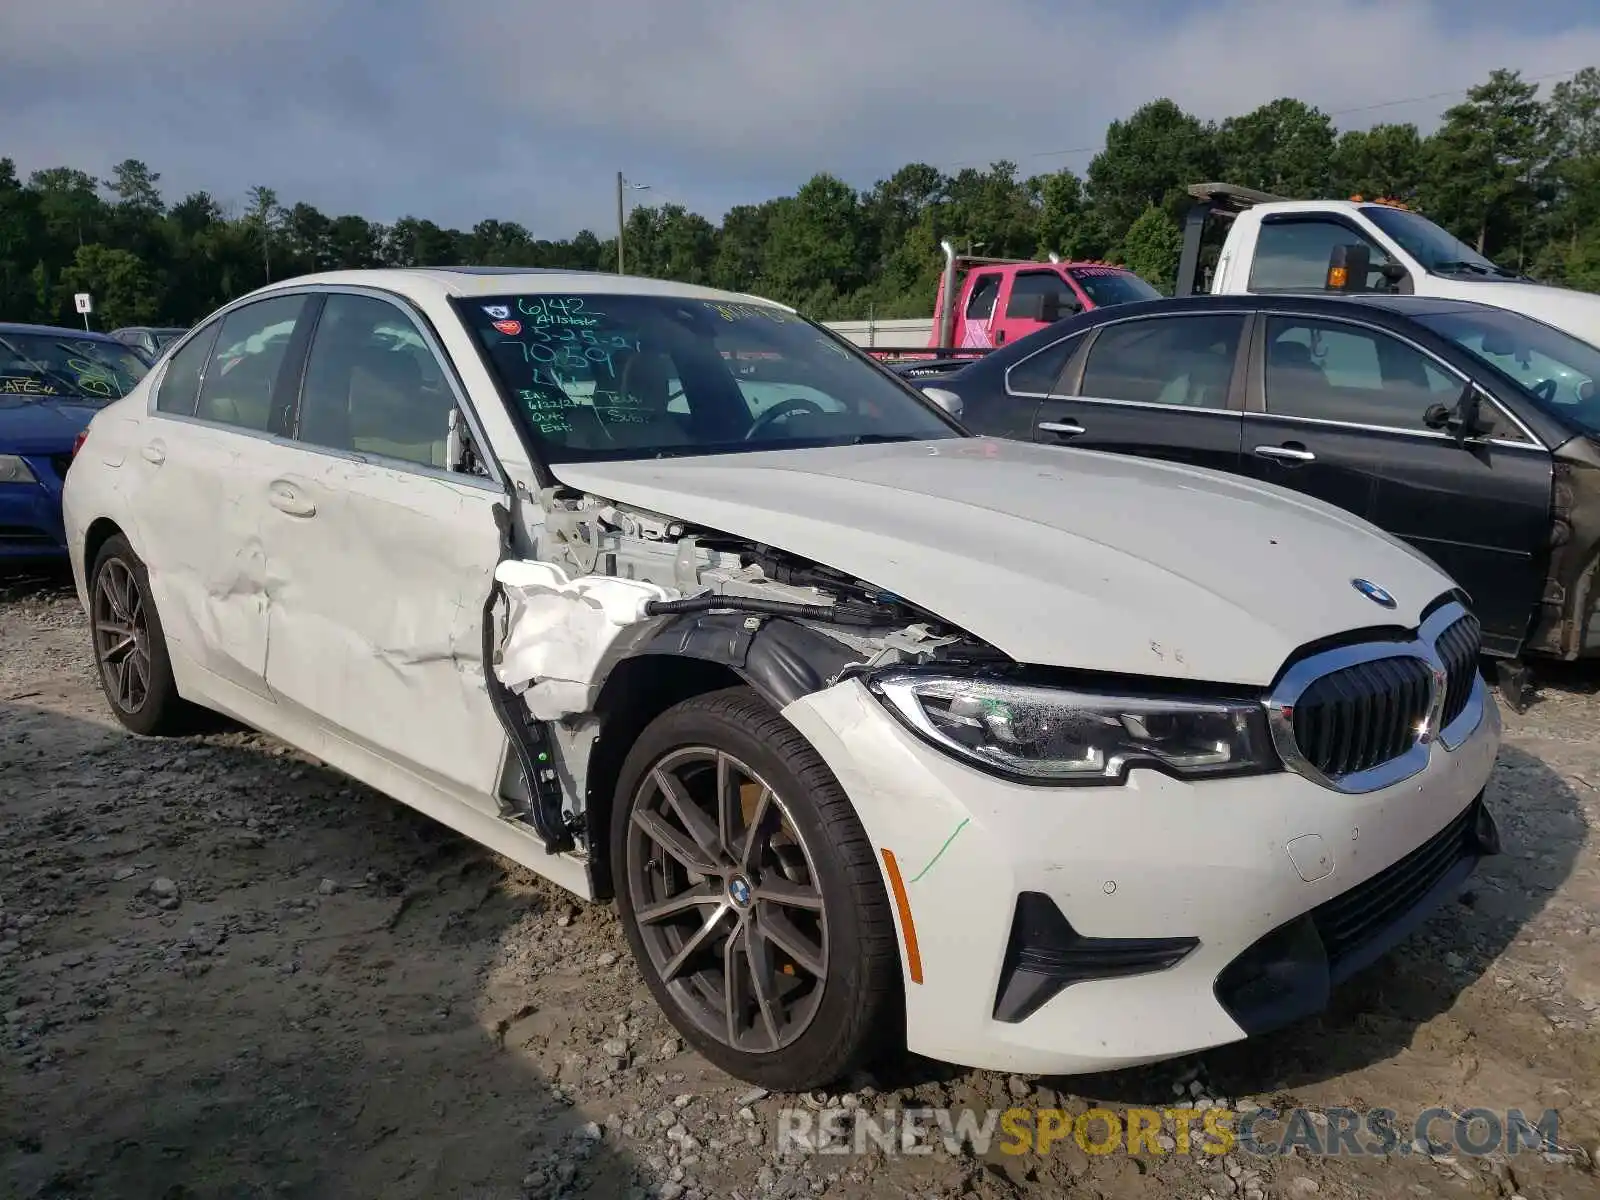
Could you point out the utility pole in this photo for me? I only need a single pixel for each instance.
(622, 215)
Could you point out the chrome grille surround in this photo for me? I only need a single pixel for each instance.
(1308, 672)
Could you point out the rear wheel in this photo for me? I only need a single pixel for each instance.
(750, 896)
(129, 649)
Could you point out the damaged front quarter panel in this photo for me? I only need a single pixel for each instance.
(1565, 625)
(622, 613)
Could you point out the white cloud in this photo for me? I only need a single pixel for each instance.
(783, 86)
(524, 110)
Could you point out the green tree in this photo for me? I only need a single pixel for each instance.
(1484, 162)
(1285, 147)
(1065, 225)
(1150, 159)
(1151, 248)
(123, 291)
(264, 217)
(1385, 161)
(1574, 111)
(813, 248)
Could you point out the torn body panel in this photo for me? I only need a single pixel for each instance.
(1564, 625)
(684, 609)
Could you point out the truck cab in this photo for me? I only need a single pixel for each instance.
(1273, 244)
(999, 300)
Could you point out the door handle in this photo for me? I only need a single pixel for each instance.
(1000, 337)
(1288, 452)
(287, 498)
(154, 452)
(1064, 428)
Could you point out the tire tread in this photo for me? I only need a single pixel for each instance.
(874, 1022)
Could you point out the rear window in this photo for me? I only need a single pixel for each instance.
(1107, 285)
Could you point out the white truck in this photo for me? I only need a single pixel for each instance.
(1273, 244)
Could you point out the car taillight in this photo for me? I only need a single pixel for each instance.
(77, 442)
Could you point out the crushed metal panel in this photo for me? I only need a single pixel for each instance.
(560, 631)
(377, 631)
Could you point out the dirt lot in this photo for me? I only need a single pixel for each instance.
(228, 971)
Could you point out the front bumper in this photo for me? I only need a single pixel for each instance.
(1194, 877)
(30, 513)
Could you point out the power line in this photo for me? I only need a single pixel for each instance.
(1338, 112)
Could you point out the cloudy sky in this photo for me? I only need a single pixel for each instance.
(525, 109)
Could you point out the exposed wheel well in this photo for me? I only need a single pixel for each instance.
(637, 692)
(101, 531)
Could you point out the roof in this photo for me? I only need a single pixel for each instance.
(424, 284)
(1401, 306)
(22, 327)
(1386, 310)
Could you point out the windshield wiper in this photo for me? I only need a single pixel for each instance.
(877, 439)
(1456, 266)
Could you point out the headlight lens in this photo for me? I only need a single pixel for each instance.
(14, 470)
(1052, 735)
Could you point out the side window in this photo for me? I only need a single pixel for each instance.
(372, 385)
(180, 386)
(1293, 256)
(243, 372)
(1039, 283)
(980, 305)
(1332, 371)
(1036, 375)
(1182, 361)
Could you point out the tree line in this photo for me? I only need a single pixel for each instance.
(1512, 173)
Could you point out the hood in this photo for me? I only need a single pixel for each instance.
(34, 425)
(1057, 557)
(1577, 313)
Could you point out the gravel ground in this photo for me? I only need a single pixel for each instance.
(228, 971)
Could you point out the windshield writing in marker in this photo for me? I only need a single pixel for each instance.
(11, 385)
(748, 312)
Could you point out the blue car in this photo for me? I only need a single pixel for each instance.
(52, 381)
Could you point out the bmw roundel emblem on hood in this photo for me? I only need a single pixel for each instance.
(1373, 592)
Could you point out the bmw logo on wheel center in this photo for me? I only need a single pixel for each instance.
(1373, 592)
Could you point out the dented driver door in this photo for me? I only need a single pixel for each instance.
(375, 631)
(383, 559)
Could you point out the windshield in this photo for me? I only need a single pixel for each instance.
(618, 376)
(1437, 251)
(1107, 285)
(36, 364)
(1557, 369)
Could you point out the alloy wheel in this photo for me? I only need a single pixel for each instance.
(727, 900)
(122, 636)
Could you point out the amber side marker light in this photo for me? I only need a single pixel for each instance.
(1338, 277)
(903, 906)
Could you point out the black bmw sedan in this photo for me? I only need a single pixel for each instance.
(1471, 432)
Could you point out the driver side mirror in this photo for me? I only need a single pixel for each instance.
(1466, 422)
(949, 401)
(460, 455)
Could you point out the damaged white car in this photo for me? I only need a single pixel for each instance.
(879, 734)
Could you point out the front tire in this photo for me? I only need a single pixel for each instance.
(129, 648)
(751, 898)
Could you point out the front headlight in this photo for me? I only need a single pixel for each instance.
(14, 470)
(1054, 735)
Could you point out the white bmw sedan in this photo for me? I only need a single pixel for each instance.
(878, 733)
